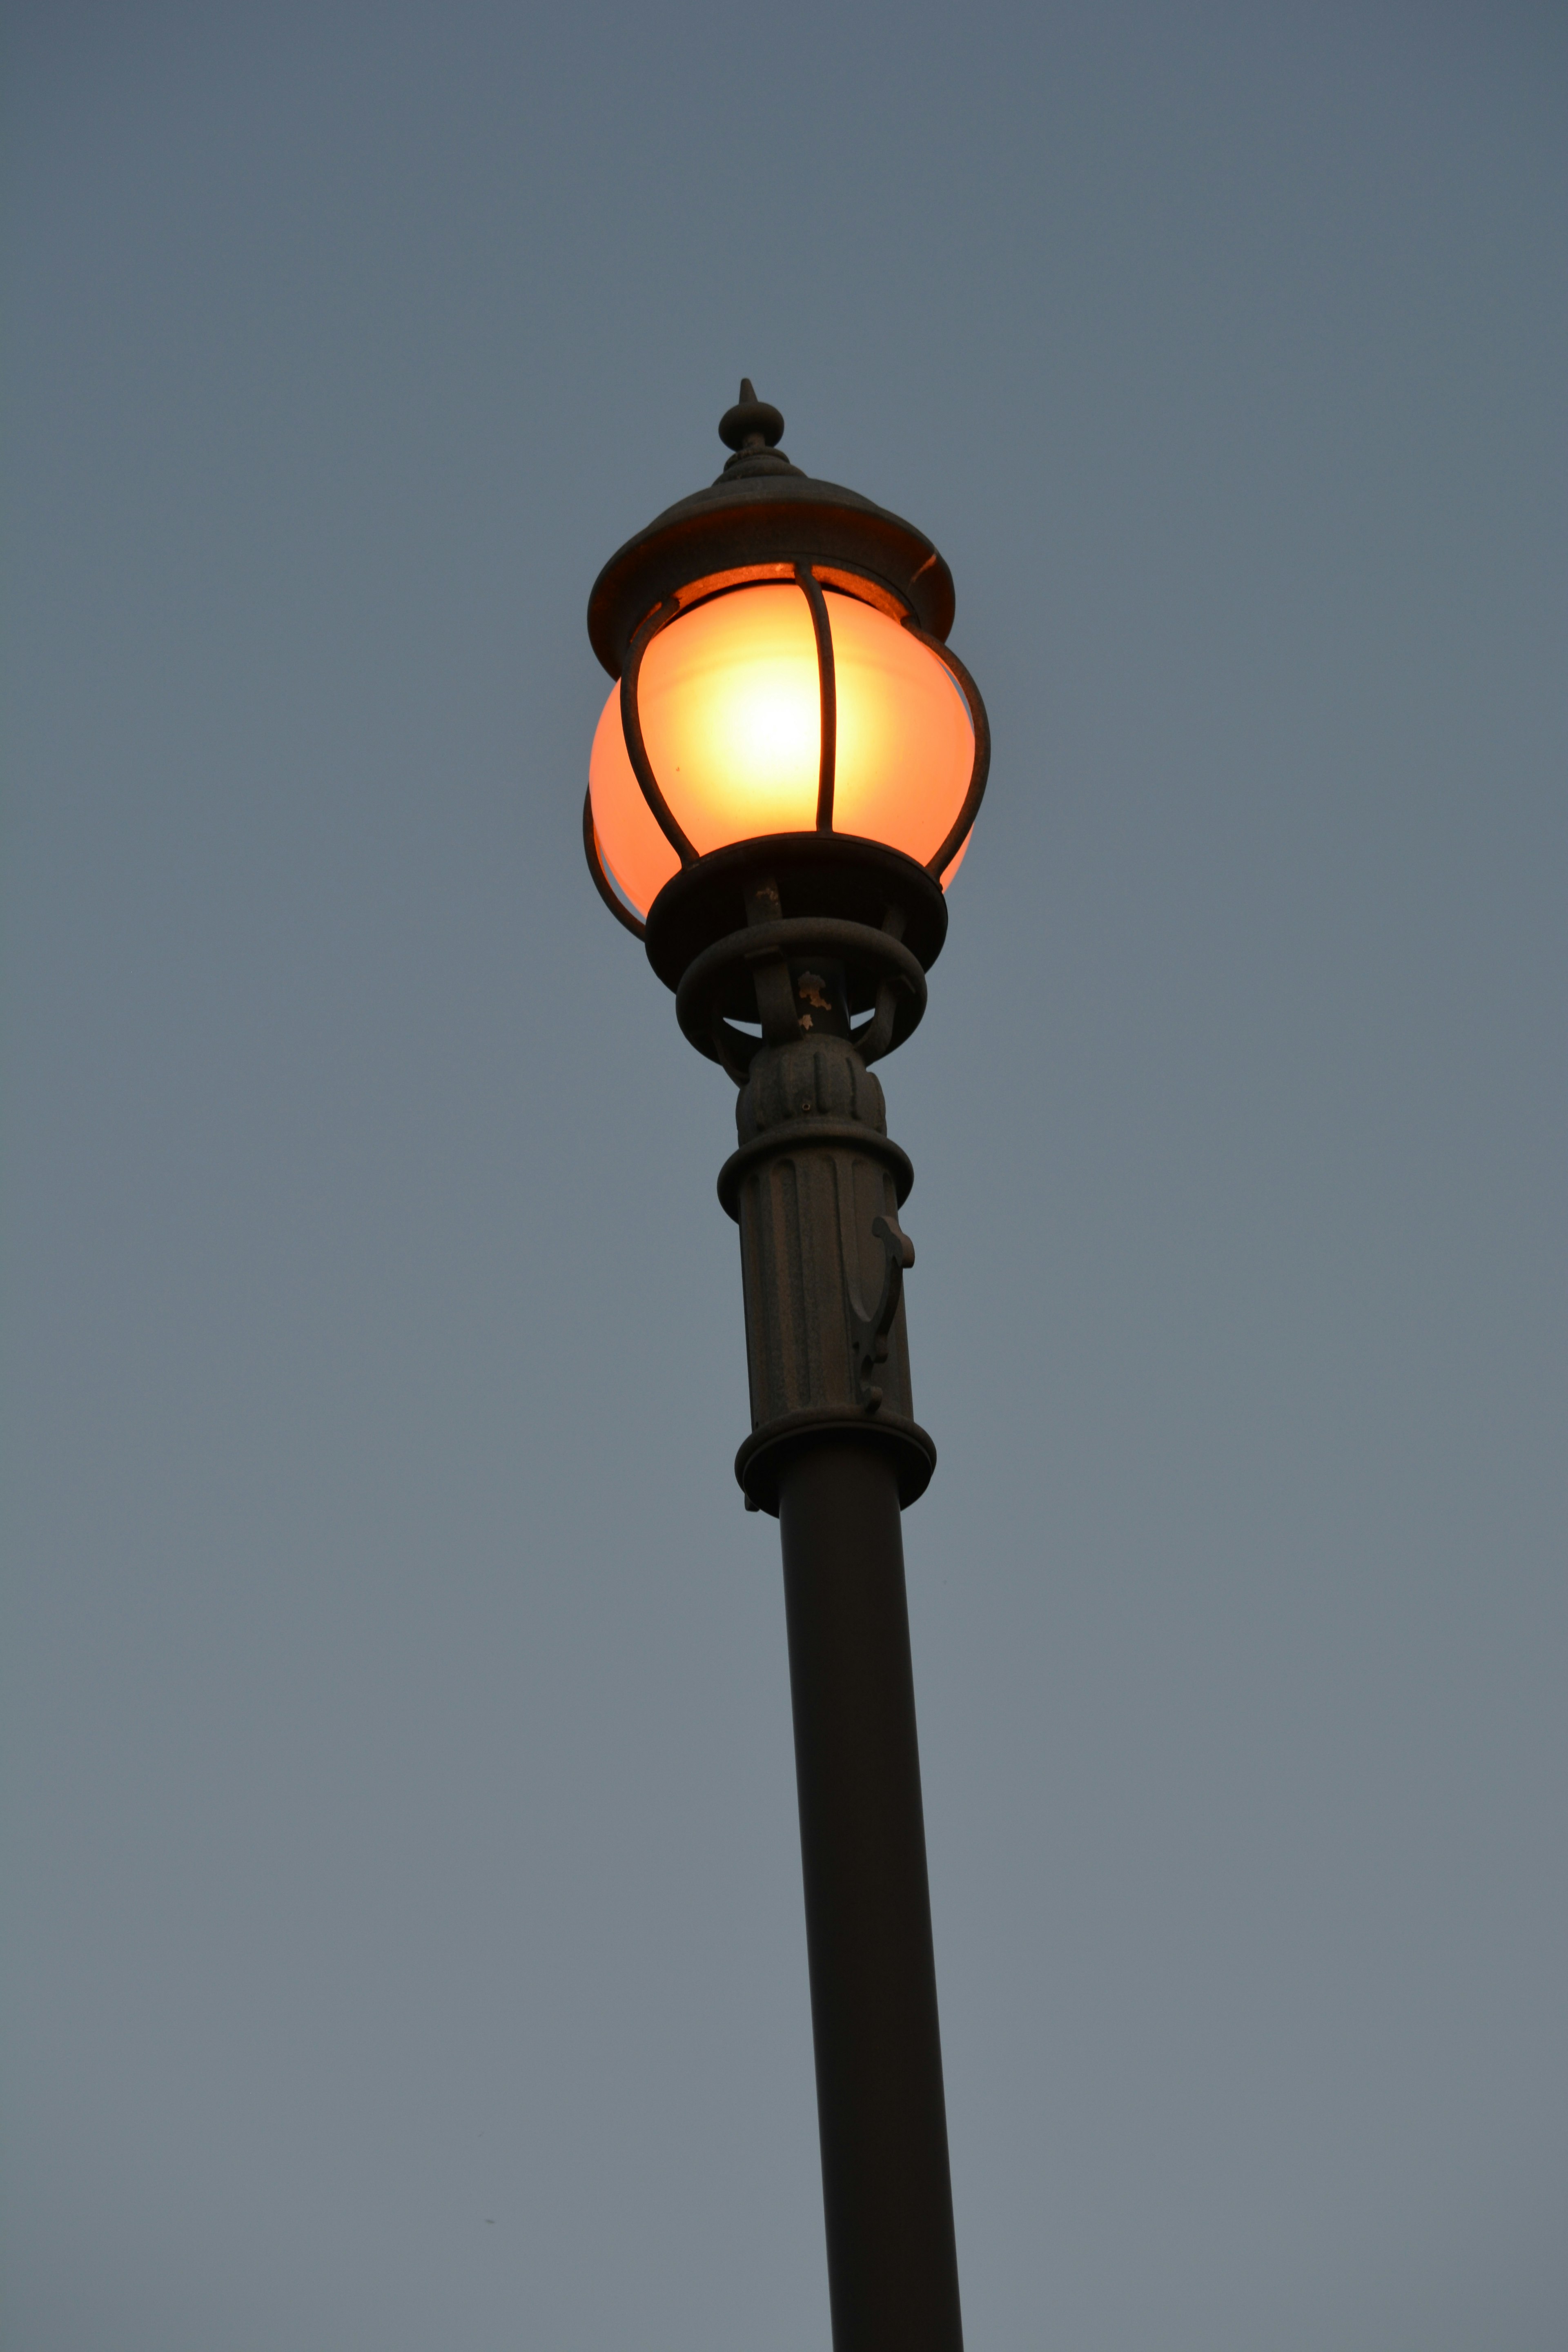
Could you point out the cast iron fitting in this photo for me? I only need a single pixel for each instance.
(815, 1187)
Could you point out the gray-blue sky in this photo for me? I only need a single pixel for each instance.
(405, 1935)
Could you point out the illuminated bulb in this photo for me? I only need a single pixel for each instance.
(732, 717)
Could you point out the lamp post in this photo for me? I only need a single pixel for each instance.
(782, 784)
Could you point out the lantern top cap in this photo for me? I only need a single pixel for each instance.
(763, 511)
(752, 425)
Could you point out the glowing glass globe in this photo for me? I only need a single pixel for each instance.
(730, 700)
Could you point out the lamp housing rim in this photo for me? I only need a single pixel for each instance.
(745, 526)
(843, 877)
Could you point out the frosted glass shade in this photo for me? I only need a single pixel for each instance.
(731, 706)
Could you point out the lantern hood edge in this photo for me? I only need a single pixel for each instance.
(779, 517)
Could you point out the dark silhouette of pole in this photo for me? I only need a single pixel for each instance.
(815, 1187)
(893, 2264)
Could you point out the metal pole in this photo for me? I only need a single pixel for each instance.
(816, 1186)
(892, 2263)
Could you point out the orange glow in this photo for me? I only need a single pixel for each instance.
(731, 716)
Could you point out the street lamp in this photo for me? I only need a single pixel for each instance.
(782, 784)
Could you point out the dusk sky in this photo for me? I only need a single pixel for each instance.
(403, 1936)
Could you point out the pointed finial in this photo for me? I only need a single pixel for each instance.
(751, 426)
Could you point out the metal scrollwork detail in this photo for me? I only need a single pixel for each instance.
(869, 1333)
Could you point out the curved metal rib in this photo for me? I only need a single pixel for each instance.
(901, 994)
(631, 728)
(811, 589)
(975, 792)
(873, 1037)
(596, 868)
